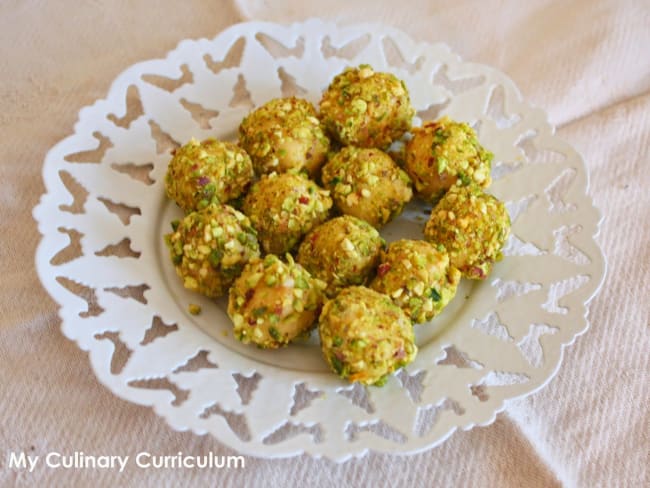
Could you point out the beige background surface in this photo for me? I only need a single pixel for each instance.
(585, 62)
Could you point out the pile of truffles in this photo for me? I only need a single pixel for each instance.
(286, 222)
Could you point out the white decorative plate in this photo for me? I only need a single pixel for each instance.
(103, 260)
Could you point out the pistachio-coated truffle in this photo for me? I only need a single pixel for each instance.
(283, 208)
(365, 336)
(283, 135)
(273, 302)
(210, 247)
(417, 277)
(207, 172)
(472, 226)
(342, 252)
(445, 153)
(368, 184)
(365, 108)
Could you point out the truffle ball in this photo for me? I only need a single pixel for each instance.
(367, 184)
(283, 208)
(207, 172)
(273, 302)
(365, 108)
(210, 247)
(283, 135)
(365, 336)
(443, 153)
(342, 252)
(472, 226)
(417, 277)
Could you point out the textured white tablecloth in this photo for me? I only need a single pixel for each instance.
(587, 63)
